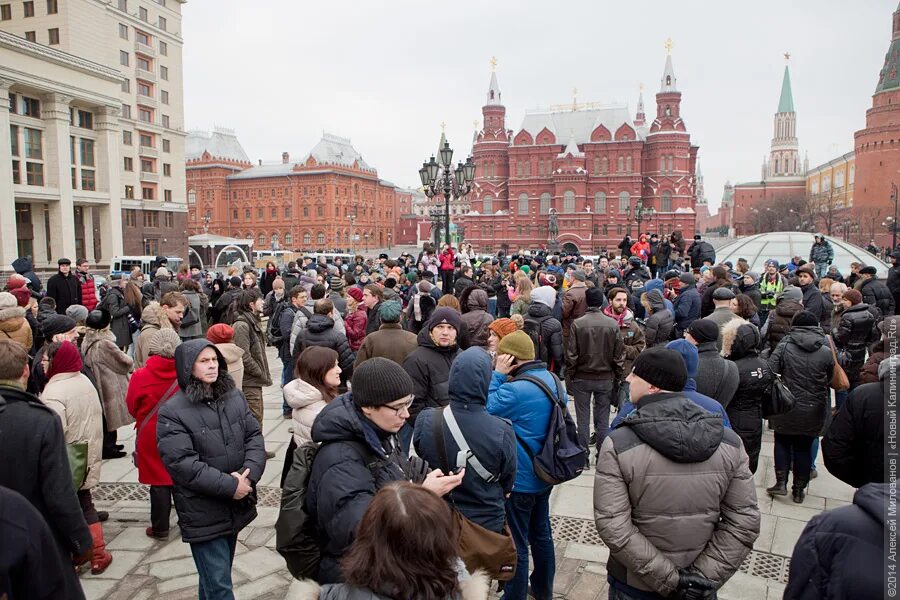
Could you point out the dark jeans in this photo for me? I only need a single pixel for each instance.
(796, 449)
(600, 391)
(528, 516)
(287, 376)
(87, 507)
(617, 594)
(160, 507)
(447, 281)
(214, 559)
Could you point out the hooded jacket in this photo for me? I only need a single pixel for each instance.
(740, 342)
(24, 267)
(853, 446)
(111, 368)
(477, 319)
(660, 323)
(343, 480)
(490, 438)
(687, 307)
(320, 331)
(307, 402)
(716, 377)
(429, 367)
(15, 326)
(540, 315)
(153, 318)
(203, 436)
(840, 553)
(249, 335)
(65, 289)
(673, 489)
(803, 358)
(146, 389)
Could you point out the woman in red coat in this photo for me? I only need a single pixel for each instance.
(149, 387)
(448, 264)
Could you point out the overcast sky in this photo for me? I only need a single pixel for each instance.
(387, 74)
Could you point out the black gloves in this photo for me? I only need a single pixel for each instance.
(692, 585)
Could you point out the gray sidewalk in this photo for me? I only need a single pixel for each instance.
(144, 568)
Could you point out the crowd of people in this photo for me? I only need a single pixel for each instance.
(448, 375)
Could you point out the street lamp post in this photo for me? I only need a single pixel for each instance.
(390, 235)
(641, 213)
(367, 241)
(352, 219)
(437, 179)
(894, 228)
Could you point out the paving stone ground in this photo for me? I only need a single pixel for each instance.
(144, 568)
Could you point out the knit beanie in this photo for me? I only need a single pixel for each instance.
(379, 381)
(15, 281)
(447, 315)
(23, 296)
(163, 343)
(790, 292)
(687, 278)
(689, 353)
(162, 273)
(752, 275)
(517, 344)
(7, 300)
(77, 313)
(704, 330)
(355, 293)
(854, 296)
(805, 319)
(503, 327)
(336, 284)
(544, 294)
(389, 311)
(661, 367)
(594, 297)
(220, 333)
(57, 324)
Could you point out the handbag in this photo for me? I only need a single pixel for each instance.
(839, 379)
(169, 393)
(78, 453)
(479, 548)
(780, 401)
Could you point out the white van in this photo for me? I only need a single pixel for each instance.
(122, 265)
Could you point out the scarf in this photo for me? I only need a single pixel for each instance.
(66, 360)
(620, 319)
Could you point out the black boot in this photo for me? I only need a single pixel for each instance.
(799, 489)
(780, 487)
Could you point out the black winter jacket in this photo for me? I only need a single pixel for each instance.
(32, 432)
(840, 553)
(740, 343)
(853, 335)
(114, 303)
(700, 251)
(803, 358)
(752, 291)
(659, 326)
(343, 482)
(812, 301)
(707, 305)
(490, 438)
(429, 367)
(66, 290)
(853, 446)
(663, 252)
(551, 332)
(877, 294)
(779, 322)
(320, 331)
(893, 280)
(202, 439)
(716, 377)
(24, 267)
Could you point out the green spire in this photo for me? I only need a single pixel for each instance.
(786, 103)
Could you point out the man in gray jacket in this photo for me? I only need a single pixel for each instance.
(686, 515)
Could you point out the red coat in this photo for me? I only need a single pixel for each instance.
(447, 258)
(147, 386)
(641, 250)
(88, 291)
(355, 324)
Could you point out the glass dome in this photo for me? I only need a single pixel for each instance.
(783, 245)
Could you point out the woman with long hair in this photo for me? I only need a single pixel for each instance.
(406, 547)
(522, 294)
(317, 376)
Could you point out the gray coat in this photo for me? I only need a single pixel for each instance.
(716, 377)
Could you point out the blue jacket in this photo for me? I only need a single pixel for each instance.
(491, 439)
(690, 390)
(687, 307)
(528, 408)
(658, 284)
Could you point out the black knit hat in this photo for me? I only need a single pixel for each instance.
(57, 324)
(379, 381)
(662, 368)
(704, 330)
(594, 297)
(804, 319)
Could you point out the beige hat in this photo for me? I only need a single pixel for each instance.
(163, 343)
(7, 300)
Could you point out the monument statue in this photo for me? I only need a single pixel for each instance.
(553, 228)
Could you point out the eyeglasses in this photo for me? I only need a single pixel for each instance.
(398, 409)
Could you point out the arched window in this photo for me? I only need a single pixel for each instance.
(306, 211)
(624, 202)
(600, 203)
(320, 238)
(671, 164)
(596, 165)
(288, 239)
(261, 239)
(668, 80)
(569, 202)
(628, 164)
(307, 238)
(604, 165)
(274, 240)
(192, 197)
(662, 164)
(488, 202)
(668, 109)
(621, 164)
(666, 201)
(546, 199)
(523, 204)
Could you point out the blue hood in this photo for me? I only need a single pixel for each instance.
(654, 284)
(470, 376)
(689, 353)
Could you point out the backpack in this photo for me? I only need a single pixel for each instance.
(533, 328)
(295, 531)
(561, 458)
(274, 333)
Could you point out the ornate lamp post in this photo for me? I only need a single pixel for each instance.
(437, 179)
(436, 217)
(640, 213)
(352, 219)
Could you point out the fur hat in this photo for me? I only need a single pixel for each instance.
(854, 296)
(7, 300)
(807, 270)
(868, 270)
(162, 273)
(77, 313)
(379, 381)
(98, 319)
(661, 367)
(517, 344)
(163, 343)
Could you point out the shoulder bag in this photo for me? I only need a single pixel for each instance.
(169, 393)
(479, 548)
(839, 379)
(780, 401)
(77, 453)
